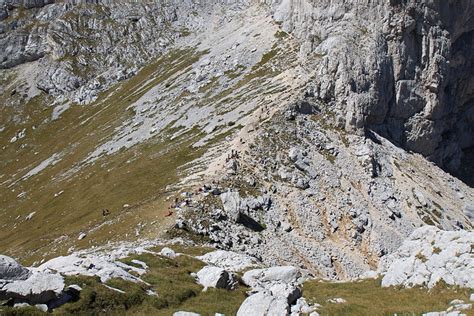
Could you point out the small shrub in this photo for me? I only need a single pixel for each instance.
(421, 257)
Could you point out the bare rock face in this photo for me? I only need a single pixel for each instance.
(276, 289)
(402, 68)
(39, 288)
(12, 270)
(215, 277)
(83, 47)
(431, 255)
(28, 285)
(228, 260)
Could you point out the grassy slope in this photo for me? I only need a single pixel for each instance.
(369, 298)
(155, 165)
(169, 278)
(137, 176)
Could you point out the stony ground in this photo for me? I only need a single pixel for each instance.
(297, 135)
(143, 278)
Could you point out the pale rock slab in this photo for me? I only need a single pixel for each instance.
(430, 255)
(215, 277)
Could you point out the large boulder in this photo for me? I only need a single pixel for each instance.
(265, 277)
(12, 270)
(275, 289)
(228, 260)
(263, 304)
(430, 255)
(231, 204)
(215, 277)
(168, 252)
(40, 287)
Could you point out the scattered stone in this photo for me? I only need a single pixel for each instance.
(301, 306)
(181, 313)
(42, 307)
(168, 252)
(30, 216)
(215, 277)
(337, 300)
(74, 287)
(81, 236)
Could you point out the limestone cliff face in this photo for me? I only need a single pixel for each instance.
(403, 68)
(84, 48)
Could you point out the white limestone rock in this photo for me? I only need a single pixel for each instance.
(263, 304)
(215, 277)
(231, 204)
(168, 252)
(182, 313)
(91, 266)
(40, 287)
(228, 260)
(276, 289)
(12, 270)
(264, 277)
(302, 306)
(430, 255)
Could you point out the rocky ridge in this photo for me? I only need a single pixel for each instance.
(335, 208)
(398, 67)
(318, 104)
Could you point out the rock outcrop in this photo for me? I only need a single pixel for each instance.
(402, 68)
(32, 286)
(274, 290)
(102, 267)
(429, 256)
(228, 260)
(12, 270)
(314, 110)
(215, 277)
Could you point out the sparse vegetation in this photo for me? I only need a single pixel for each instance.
(421, 257)
(137, 176)
(367, 297)
(169, 278)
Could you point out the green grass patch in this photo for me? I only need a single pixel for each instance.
(170, 278)
(134, 176)
(367, 297)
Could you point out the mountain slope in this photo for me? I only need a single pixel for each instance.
(110, 110)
